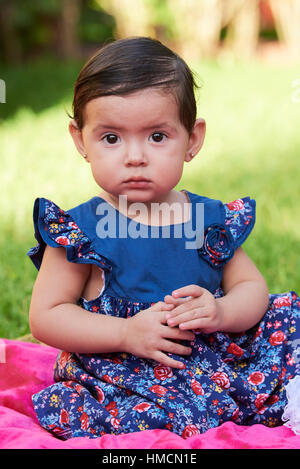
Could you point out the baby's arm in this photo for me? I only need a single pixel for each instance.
(243, 305)
(57, 320)
(246, 294)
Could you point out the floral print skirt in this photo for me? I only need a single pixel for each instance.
(228, 377)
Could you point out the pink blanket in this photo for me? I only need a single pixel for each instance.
(26, 368)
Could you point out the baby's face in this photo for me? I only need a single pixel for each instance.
(136, 144)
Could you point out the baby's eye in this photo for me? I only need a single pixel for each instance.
(111, 139)
(158, 137)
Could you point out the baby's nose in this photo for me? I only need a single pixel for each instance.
(135, 156)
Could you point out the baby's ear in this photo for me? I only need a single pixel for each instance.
(196, 139)
(76, 135)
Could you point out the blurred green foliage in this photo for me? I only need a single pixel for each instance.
(32, 28)
(95, 26)
(35, 27)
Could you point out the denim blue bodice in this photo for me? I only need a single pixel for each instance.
(143, 263)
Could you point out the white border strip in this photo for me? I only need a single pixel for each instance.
(2, 351)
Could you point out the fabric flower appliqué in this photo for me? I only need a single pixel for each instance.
(218, 245)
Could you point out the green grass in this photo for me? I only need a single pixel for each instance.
(252, 148)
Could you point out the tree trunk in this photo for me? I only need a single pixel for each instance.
(242, 18)
(69, 43)
(10, 42)
(133, 17)
(287, 20)
(197, 26)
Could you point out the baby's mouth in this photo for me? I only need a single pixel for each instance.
(137, 179)
(137, 182)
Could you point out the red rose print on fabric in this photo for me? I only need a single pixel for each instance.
(256, 378)
(64, 417)
(63, 240)
(115, 422)
(84, 419)
(282, 301)
(142, 407)
(190, 430)
(163, 372)
(221, 379)
(159, 390)
(260, 401)
(197, 388)
(235, 350)
(277, 338)
(236, 205)
(100, 394)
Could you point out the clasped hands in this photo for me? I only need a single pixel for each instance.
(194, 308)
(157, 331)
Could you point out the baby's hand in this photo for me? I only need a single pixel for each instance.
(198, 310)
(147, 335)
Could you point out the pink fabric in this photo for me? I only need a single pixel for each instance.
(26, 368)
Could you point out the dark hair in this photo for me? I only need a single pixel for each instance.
(128, 65)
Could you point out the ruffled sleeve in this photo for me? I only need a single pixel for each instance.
(240, 219)
(56, 227)
(221, 239)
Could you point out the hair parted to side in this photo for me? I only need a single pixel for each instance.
(129, 65)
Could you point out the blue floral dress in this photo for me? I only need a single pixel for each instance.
(228, 377)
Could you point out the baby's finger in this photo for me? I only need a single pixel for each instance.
(176, 349)
(192, 314)
(177, 334)
(176, 301)
(164, 359)
(161, 306)
(195, 303)
(183, 307)
(199, 323)
(188, 290)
